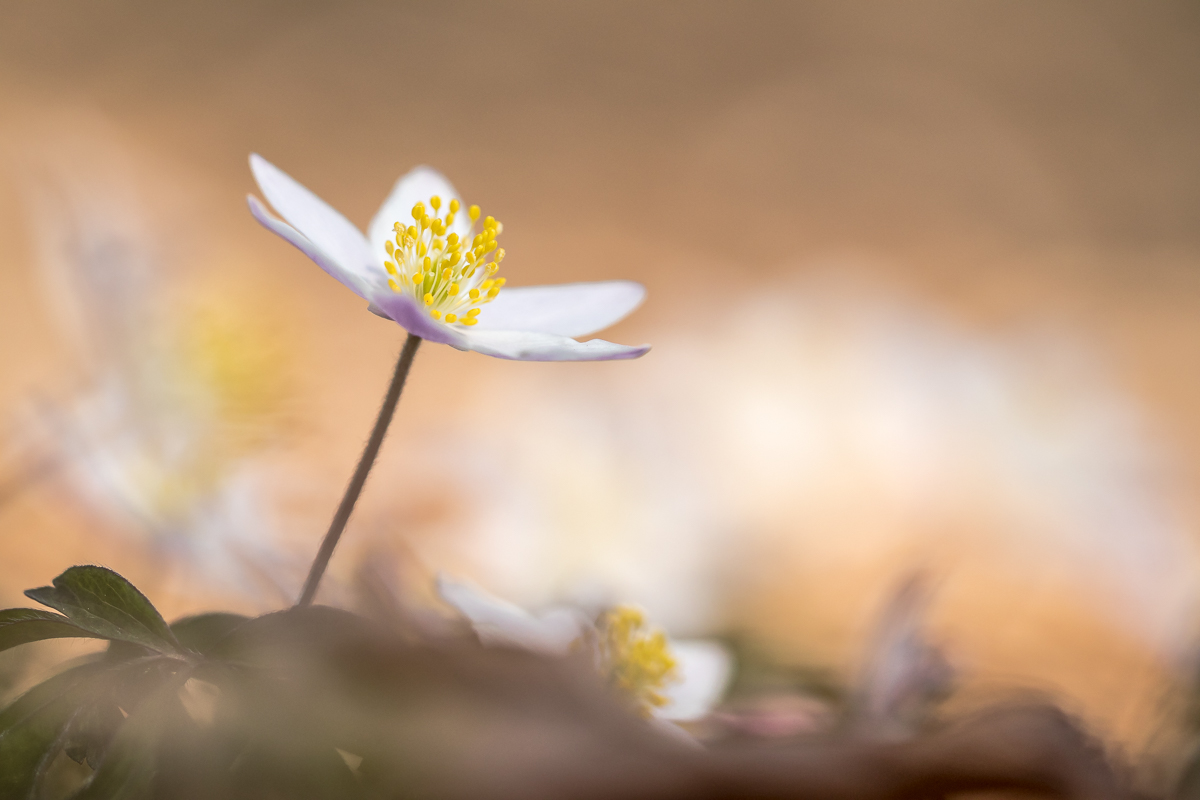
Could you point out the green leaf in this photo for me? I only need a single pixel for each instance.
(22, 625)
(31, 725)
(102, 602)
(203, 631)
(127, 768)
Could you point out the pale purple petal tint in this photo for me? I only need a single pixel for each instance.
(317, 220)
(534, 346)
(416, 320)
(306, 246)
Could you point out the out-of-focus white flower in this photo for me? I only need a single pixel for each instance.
(436, 276)
(678, 681)
(175, 398)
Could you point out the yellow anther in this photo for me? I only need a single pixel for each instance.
(445, 263)
(499, 228)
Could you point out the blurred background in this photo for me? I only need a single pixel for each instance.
(924, 295)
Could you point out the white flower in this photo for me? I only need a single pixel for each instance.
(700, 669)
(434, 274)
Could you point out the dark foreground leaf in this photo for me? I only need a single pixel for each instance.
(31, 726)
(23, 625)
(108, 606)
(202, 632)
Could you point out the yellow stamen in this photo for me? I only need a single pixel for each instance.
(447, 279)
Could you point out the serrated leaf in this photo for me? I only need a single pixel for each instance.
(202, 632)
(102, 602)
(23, 625)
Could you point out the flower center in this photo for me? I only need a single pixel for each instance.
(635, 657)
(451, 276)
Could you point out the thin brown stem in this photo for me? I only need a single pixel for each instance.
(360, 472)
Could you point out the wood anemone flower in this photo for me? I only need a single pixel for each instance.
(430, 265)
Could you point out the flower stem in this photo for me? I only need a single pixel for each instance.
(360, 472)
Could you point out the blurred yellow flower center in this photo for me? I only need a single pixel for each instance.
(450, 276)
(635, 658)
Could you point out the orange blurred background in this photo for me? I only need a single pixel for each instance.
(924, 293)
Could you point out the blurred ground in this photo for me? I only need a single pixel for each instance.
(998, 182)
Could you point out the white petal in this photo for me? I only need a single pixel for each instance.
(704, 669)
(503, 624)
(323, 260)
(418, 185)
(332, 233)
(572, 309)
(415, 319)
(534, 346)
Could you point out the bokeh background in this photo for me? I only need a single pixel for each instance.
(924, 295)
